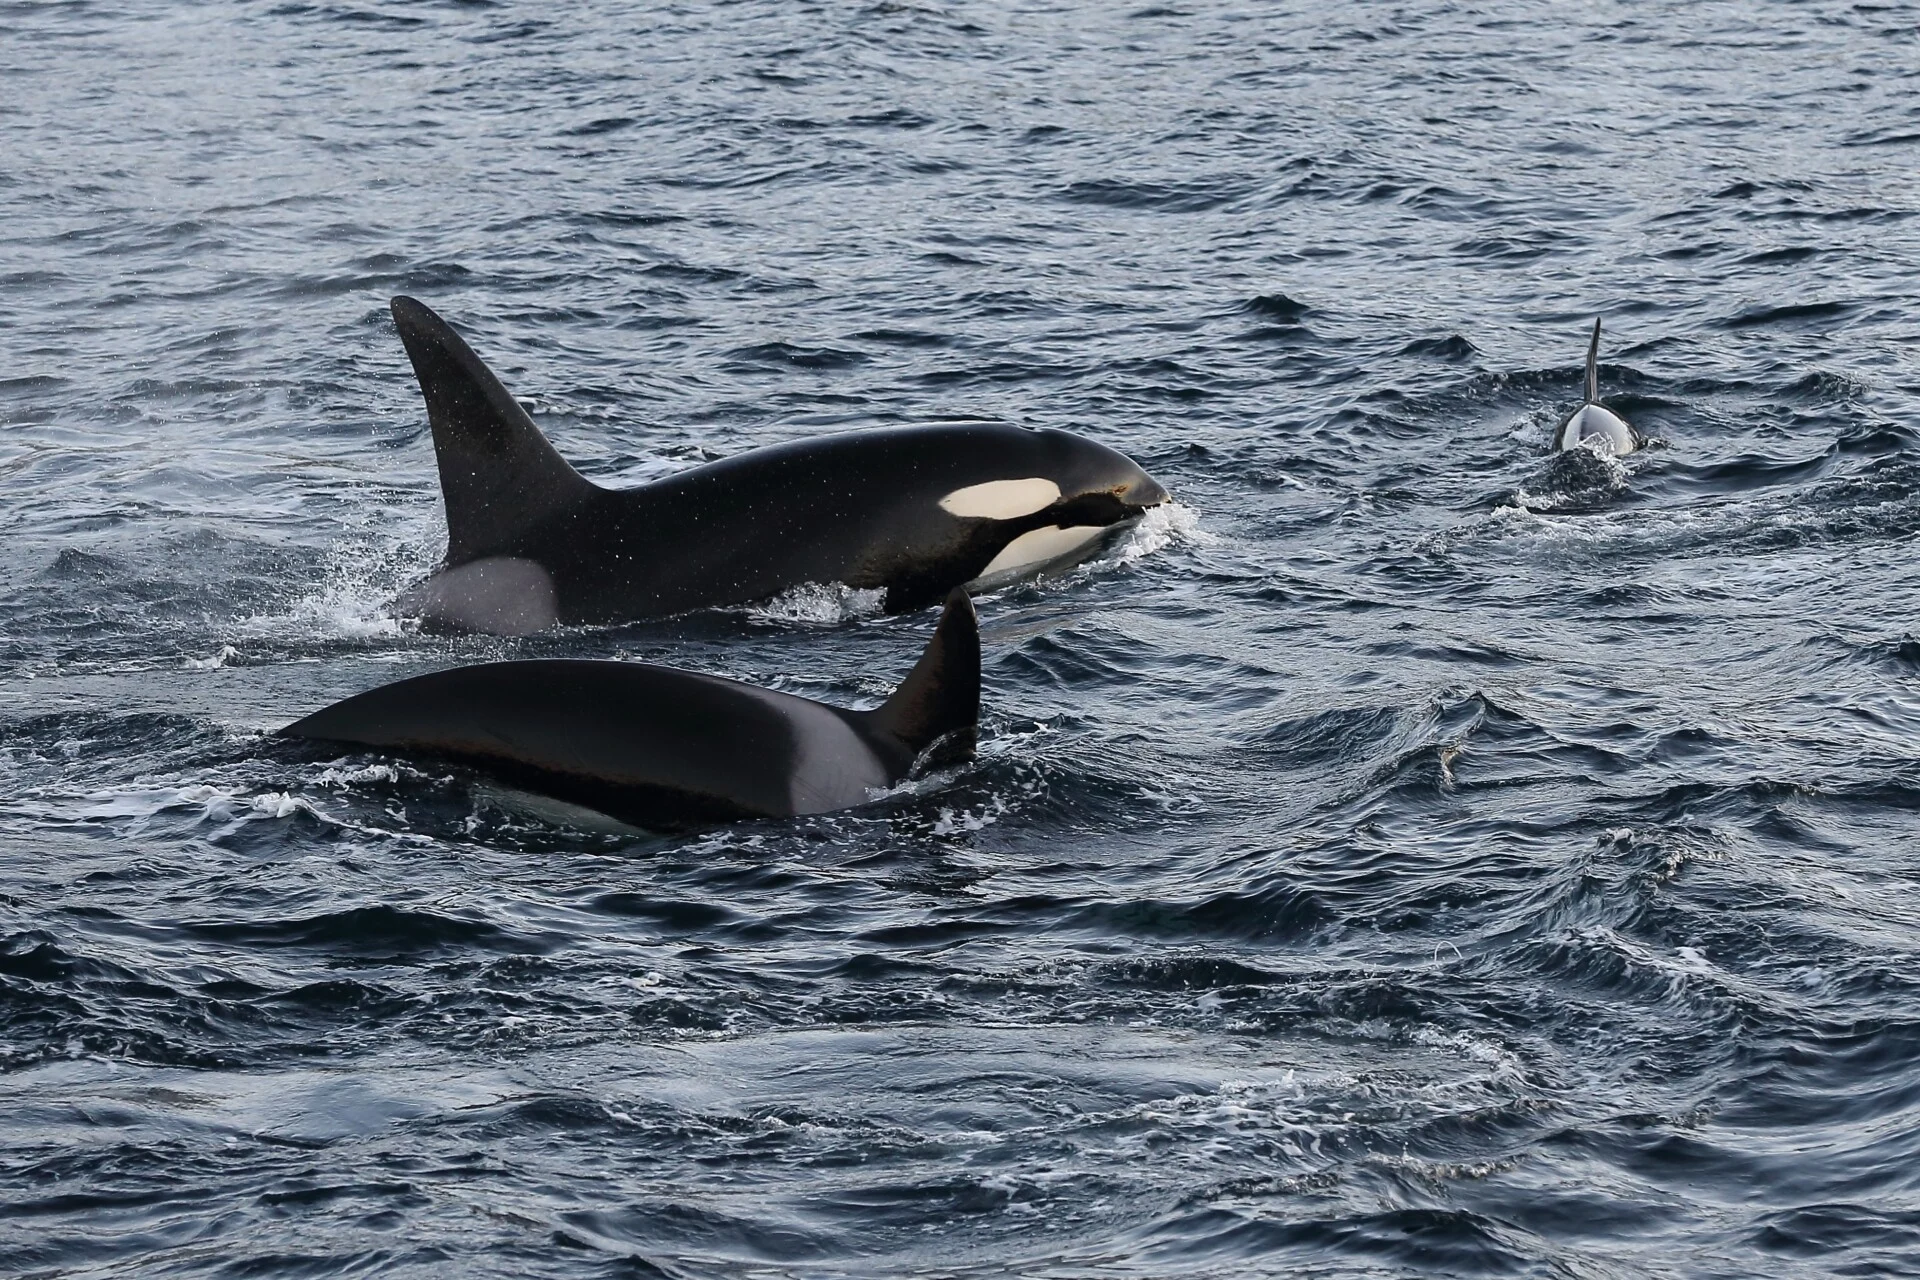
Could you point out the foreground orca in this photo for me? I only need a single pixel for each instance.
(1592, 420)
(662, 748)
(914, 510)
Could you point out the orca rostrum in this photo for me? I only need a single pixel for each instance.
(663, 748)
(915, 511)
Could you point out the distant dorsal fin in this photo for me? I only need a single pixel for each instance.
(938, 704)
(1593, 364)
(498, 475)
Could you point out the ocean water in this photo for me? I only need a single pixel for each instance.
(1414, 855)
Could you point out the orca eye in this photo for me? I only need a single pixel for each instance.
(1002, 499)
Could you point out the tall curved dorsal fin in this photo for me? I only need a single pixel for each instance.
(938, 704)
(498, 475)
(1593, 364)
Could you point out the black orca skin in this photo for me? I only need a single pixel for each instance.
(531, 543)
(665, 749)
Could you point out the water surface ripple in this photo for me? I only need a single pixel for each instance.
(1417, 857)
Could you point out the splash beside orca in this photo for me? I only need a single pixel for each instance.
(915, 511)
(663, 748)
(1593, 421)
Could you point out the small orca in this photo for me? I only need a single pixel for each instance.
(665, 749)
(1592, 420)
(914, 510)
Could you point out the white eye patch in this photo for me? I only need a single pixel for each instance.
(1002, 499)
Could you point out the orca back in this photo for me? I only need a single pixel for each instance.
(642, 743)
(660, 747)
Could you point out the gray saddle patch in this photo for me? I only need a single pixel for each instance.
(505, 595)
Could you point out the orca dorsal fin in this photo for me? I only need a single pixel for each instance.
(1593, 364)
(498, 475)
(935, 713)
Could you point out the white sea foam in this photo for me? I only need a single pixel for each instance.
(340, 605)
(348, 777)
(279, 804)
(215, 804)
(1160, 528)
(1172, 801)
(1586, 472)
(1476, 1048)
(351, 594)
(820, 604)
(955, 821)
(215, 662)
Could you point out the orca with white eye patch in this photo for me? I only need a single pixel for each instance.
(665, 749)
(1594, 422)
(1002, 499)
(914, 511)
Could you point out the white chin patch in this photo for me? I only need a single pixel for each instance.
(1002, 499)
(1035, 550)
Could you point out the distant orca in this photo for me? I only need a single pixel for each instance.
(663, 748)
(915, 510)
(1592, 420)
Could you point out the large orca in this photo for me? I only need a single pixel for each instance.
(914, 510)
(663, 748)
(1592, 420)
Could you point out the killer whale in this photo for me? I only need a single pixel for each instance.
(1593, 420)
(915, 511)
(663, 748)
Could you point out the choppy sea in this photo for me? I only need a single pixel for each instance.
(1412, 855)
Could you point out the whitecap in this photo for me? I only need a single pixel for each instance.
(1160, 528)
(820, 604)
(352, 593)
(216, 661)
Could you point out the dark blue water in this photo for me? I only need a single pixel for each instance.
(1413, 857)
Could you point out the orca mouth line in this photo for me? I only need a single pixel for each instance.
(1099, 509)
(1144, 494)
